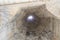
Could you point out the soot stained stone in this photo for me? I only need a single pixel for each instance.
(31, 21)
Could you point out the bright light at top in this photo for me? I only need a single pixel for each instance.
(30, 17)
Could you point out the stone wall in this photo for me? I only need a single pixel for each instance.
(10, 26)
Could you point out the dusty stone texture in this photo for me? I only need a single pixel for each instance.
(14, 30)
(45, 30)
